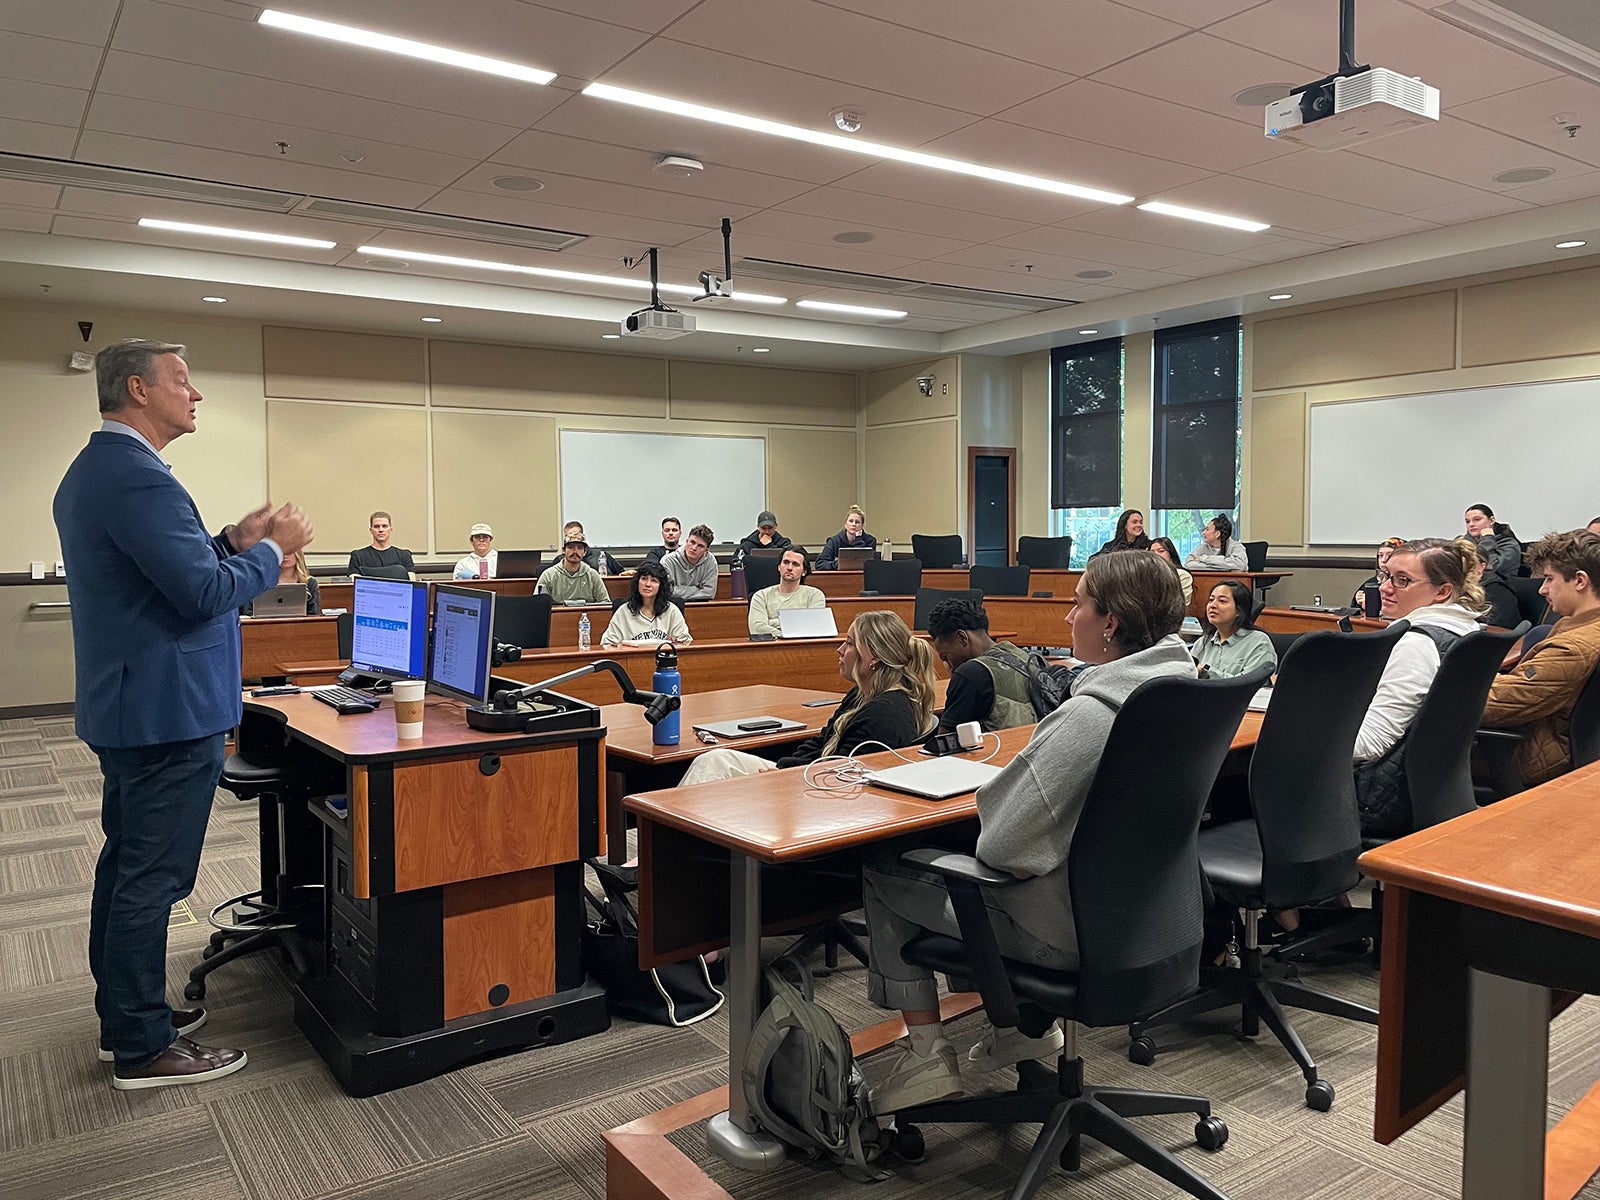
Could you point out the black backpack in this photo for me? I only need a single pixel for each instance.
(1048, 683)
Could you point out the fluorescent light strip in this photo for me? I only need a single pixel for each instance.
(350, 35)
(1198, 214)
(243, 235)
(485, 264)
(854, 310)
(719, 116)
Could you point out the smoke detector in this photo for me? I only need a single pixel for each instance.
(848, 119)
(680, 166)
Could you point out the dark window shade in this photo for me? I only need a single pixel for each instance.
(1086, 425)
(1197, 416)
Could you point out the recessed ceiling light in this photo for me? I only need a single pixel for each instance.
(431, 320)
(622, 281)
(1096, 274)
(719, 116)
(760, 349)
(1262, 94)
(1281, 296)
(854, 237)
(350, 35)
(1200, 214)
(1087, 332)
(246, 235)
(854, 310)
(1524, 175)
(517, 183)
(214, 299)
(611, 337)
(388, 264)
(1572, 245)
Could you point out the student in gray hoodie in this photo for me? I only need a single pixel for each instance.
(1124, 621)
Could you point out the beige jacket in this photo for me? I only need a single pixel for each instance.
(1536, 696)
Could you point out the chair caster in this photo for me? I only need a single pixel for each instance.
(907, 1144)
(209, 951)
(1072, 1154)
(195, 989)
(1211, 1133)
(1319, 1095)
(1142, 1050)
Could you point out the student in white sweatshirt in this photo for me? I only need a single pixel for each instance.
(791, 591)
(648, 615)
(1217, 550)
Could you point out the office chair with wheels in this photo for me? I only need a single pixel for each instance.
(760, 571)
(937, 551)
(523, 621)
(1255, 559)
(928, 597)
(1301, 847)
(902, 577)
(1137, 911)
(1045, 553)
(1000, 581)
(1531, 606)
(281, 913)
(1282, 641)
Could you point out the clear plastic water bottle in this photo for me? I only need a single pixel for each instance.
(583, 631)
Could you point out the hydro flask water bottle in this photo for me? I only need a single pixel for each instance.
(667, 682)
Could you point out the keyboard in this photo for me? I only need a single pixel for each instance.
(345, 699)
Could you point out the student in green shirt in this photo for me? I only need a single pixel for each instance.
(572, 578)
(1232, 645)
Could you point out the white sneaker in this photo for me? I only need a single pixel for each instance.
(1006, 1047)
(918, 1079)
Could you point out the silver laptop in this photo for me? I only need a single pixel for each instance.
(752, 726)
(936, 780)
(807, 622)
(284, 600)
(851, 557)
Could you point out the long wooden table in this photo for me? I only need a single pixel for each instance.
(1486, 920)
(1290, 620)
(267, 643)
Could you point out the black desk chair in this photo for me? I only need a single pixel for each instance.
(523, 621)
(1138, 912)
(344, 628)
(1282, 641)
(902, 577)
(1498, 746)
(760, 571)
(1255, 559)
(280, 913)
(1000, 581)
(1531, 606)
(928, 597)
(937, 551)
(1302, 846)
(1045, 553)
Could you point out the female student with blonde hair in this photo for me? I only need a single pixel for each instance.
(853, 536)
(890, 701)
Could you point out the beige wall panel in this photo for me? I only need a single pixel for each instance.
(325, 364)
(494, 467)
(1275, 488)
(703, 391)
(811, 482)
(1359, 341)
(914, 480)
(342, 461)
(47, 413)
(37, 644)
(1546, 316)
(892, 395)
(1138, 419)
(472, 375)
(990, 396)
(1033, 450)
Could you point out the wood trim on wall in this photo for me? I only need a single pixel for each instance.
(1009, 453)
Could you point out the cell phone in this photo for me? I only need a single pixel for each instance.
(275, 691)
(758, 726)
(817, 703)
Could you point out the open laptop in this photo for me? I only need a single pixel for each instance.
(851, 557)
(518, 564)
(807, 622)
(284, 600)
(936, 780)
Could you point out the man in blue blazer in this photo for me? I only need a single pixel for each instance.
(155, 602)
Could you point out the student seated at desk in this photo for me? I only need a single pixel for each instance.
(1231, 645)
(1385, 549)
(693, 569)
(1496, 542)
(1163, 548)
(1217, 550)
(648, 616)
(1129, 534)
(572, 578)
(890, 702)
(293, 569)
(789, 592)
(380, 554)
(988, 679)
(483, 560)
(853, 536)
(1125, 619)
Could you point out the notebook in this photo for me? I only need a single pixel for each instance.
(807, 622)
(284, 600)
(730, 729)
(936, 780)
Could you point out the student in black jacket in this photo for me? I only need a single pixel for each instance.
(1130, 534)
(853, 536)
(764, 536)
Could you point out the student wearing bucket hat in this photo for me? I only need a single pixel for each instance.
(481, 563)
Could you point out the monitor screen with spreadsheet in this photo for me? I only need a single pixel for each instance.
(463, 641)
(390, 635)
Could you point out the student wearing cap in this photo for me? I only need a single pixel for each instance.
(480, 564)
(594, 556)
(572, 579)
(764, 536)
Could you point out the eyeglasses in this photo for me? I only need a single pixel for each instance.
(1399, 582)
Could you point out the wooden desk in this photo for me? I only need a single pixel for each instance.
(1288, 620)
(451, 889)
(269, 642)
(1484, 916)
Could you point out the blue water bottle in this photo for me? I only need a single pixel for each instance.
(667, 682)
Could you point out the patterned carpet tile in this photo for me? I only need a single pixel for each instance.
(36, 816)
(25, 780)
(48, 865)
(515, 1169)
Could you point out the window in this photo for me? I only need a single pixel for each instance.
(1085, 444)
(1195, 474)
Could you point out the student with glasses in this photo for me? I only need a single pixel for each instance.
(1380, 571)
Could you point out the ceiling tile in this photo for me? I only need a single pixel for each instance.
(1203, 72)
(1280, 250)
(48, 60)
(1029, 266)
(1017, 283)
(805, 35)
(30, 137)
(1194, 13)
(574, 191)
(1279, 206)
(777, 249)
(121, 231)
(24, 220)
(128, 208)
(42, 103)
(966, 193)
(1000, 144)
(1143, 281)
(819, 231)
(17, 193)
(1381, 229)
(644, 231)
(856, 210)
(1097, 112)
(1358, 179)
(1529, 113)
(651, 18)
(1216, 264)
(1475, 209)
(1457, 149)
(86, 21)
(1135, 226)
(1047, 32)
(1096, 249)
(1557, 191)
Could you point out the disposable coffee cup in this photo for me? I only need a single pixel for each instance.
(408, 707)
(1371, 601)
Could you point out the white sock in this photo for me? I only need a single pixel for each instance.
(924, 1037)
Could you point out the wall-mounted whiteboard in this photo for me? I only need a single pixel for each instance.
(620, 485)
(1409, 466)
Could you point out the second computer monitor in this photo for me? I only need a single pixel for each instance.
(389, 638)
(463, 642)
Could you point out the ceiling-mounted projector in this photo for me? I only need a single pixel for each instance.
(660, 322)
(1350, 109)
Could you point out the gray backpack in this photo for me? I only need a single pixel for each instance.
(803, 1084)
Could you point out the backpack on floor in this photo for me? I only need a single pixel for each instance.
(802, 1082)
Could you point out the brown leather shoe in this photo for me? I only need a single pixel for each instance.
(184, 1021)
(181, 1062)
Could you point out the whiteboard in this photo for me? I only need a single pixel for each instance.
(1409, 466)
(620, 485)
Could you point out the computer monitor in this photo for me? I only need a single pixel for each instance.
(389, 638)
(463, 641)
